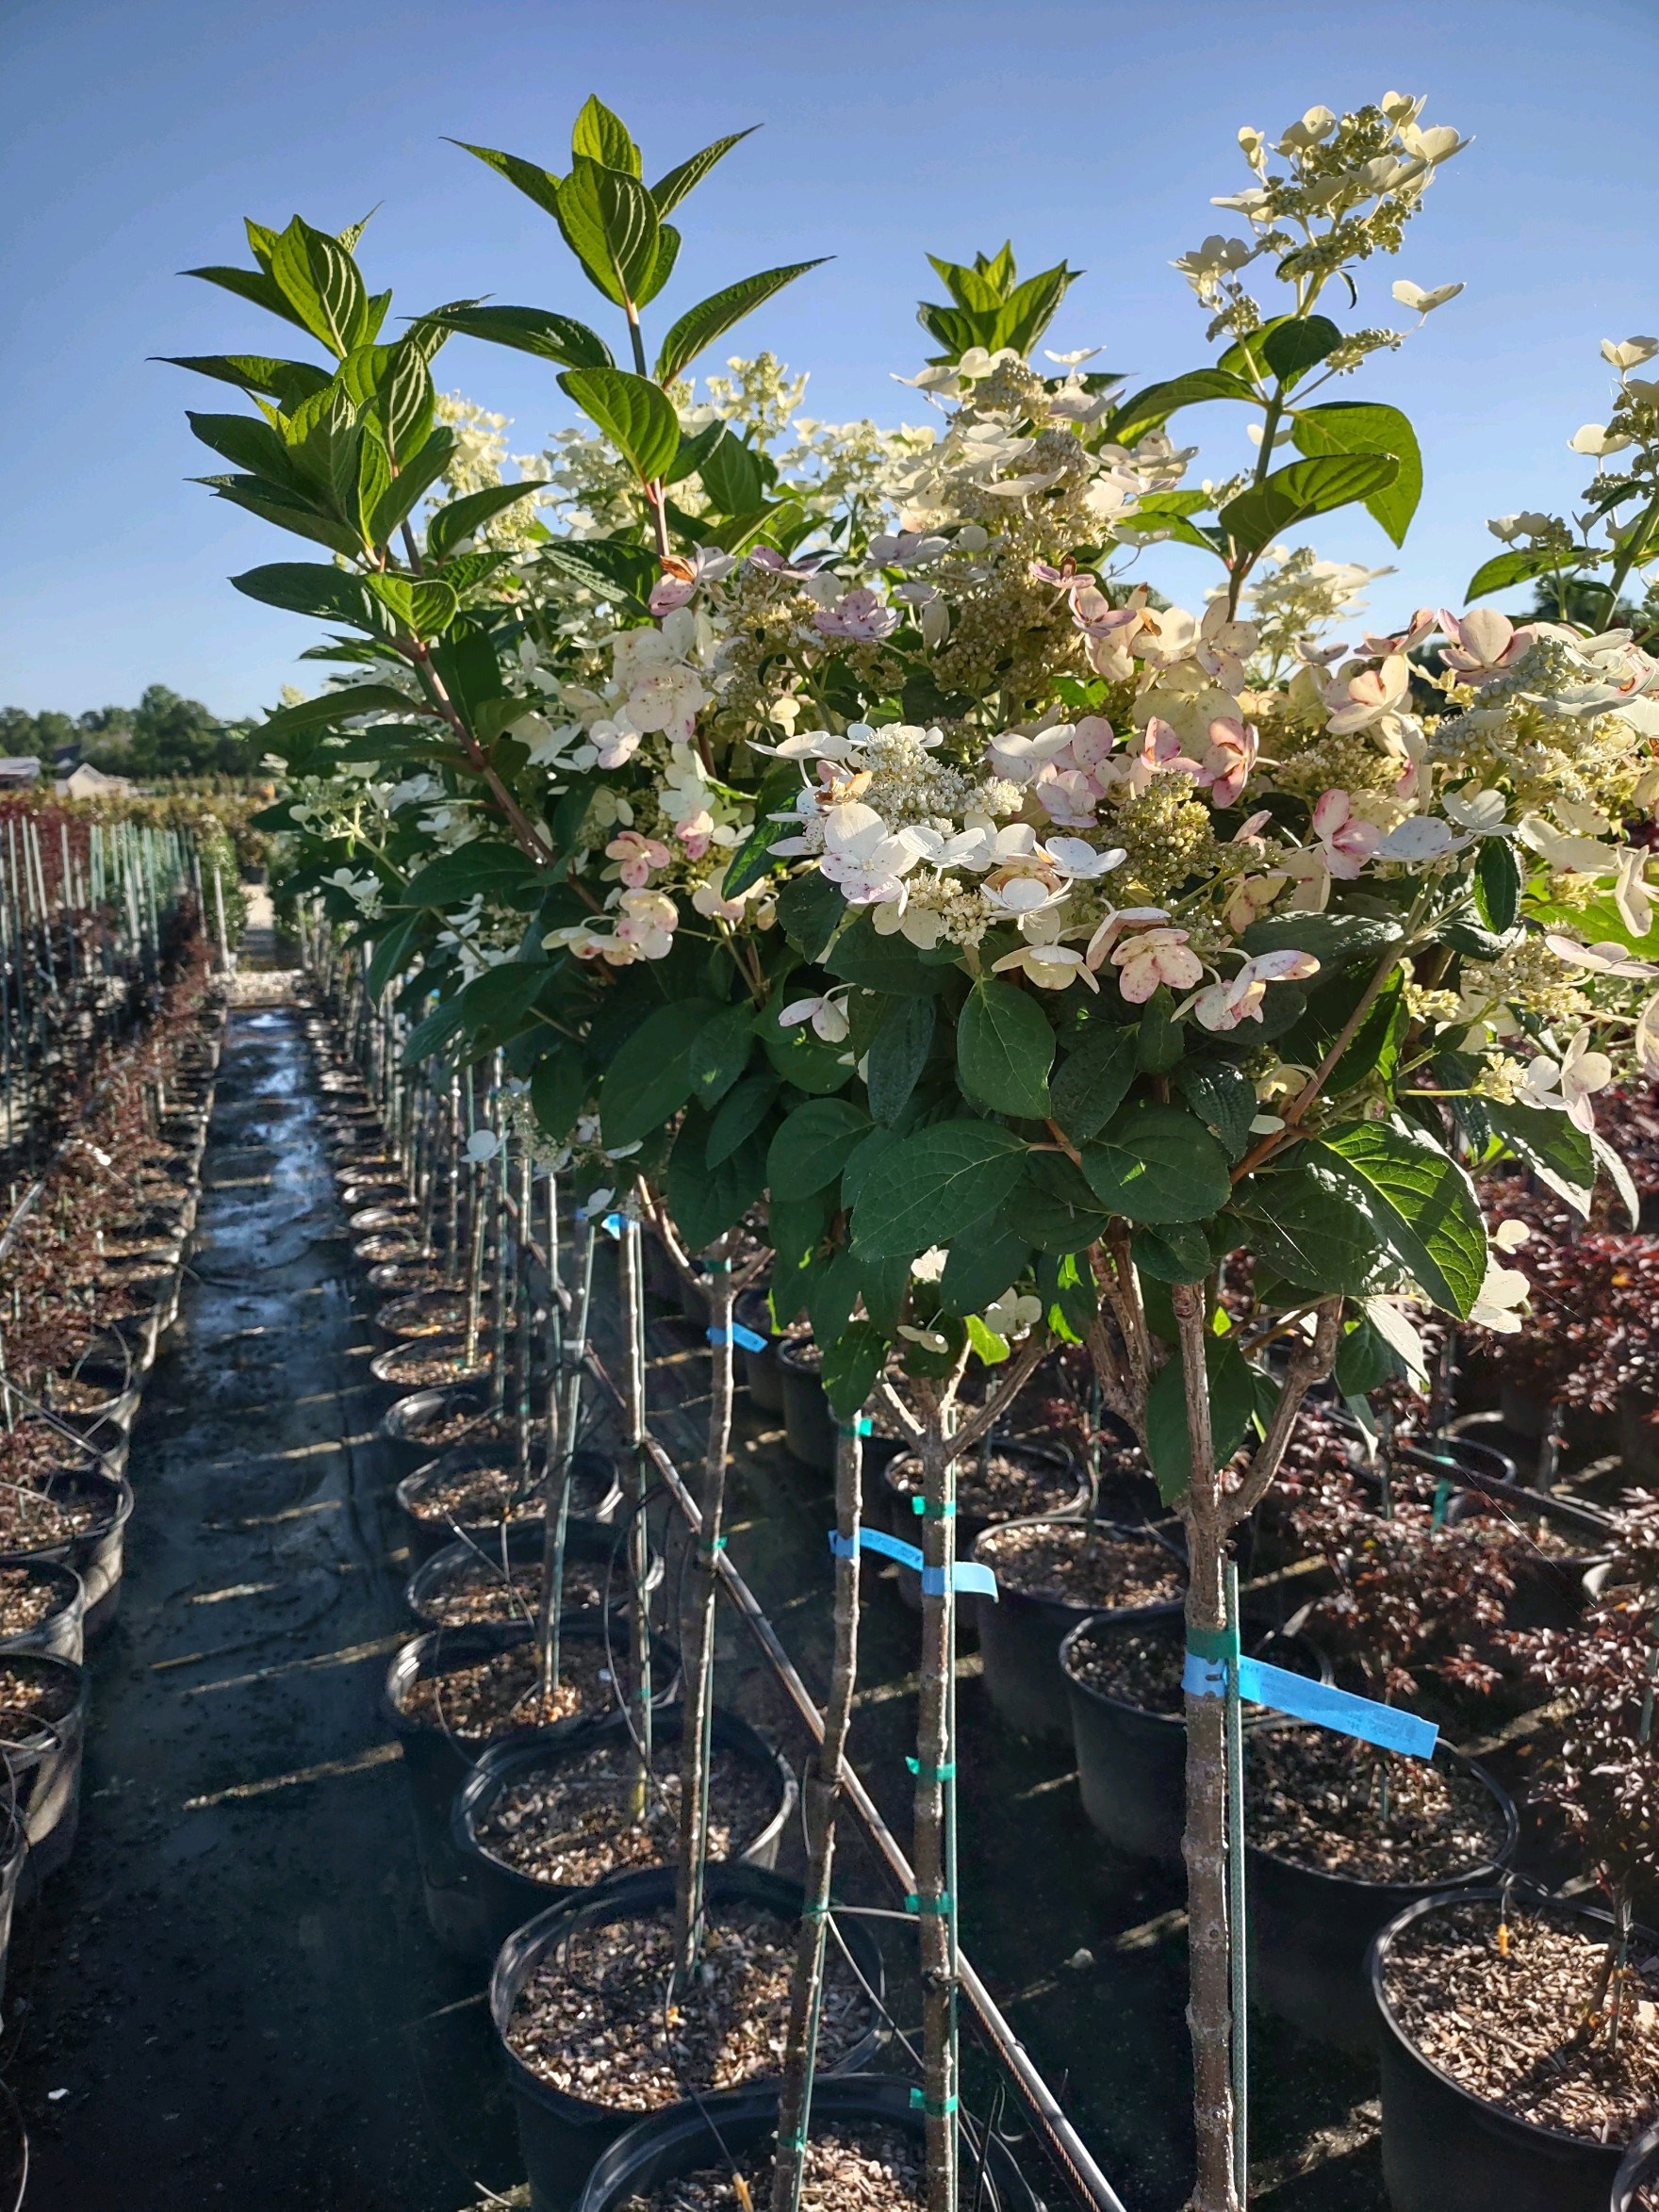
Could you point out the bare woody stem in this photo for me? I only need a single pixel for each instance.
(1309, 1364)
(823, 1801)
(1204, 1843)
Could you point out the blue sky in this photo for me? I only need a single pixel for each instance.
(137, 136)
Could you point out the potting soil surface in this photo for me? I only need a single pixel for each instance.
(232, 1989)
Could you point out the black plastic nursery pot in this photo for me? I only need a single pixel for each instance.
(1549, 1586)
(13, 1858)
(397, 1367)
(594, 1495)
(587, 1543)
(1311, 1932)
(1639, 2165)
(504, 1898)
(1132, 1763)
(58, 1633)
(437, 1763)
(43, 1748)
(1020, 1635)
(685, 2138)
(107, 1368)
(406, 1420)
(1446, 2150)
(900, 1485)
(809, 1426)
(96, 1553)
(752, 1309)
(562, 2136)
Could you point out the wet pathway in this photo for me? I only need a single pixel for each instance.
(231, 1992)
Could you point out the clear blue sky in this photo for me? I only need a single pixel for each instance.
(136, 137)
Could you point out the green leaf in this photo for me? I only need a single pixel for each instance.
(1309, 1228)
(453, 524)
(392, 954)
(634, 414)
(1065, 1283)
(603, 136)
(891, 964)
(1157, 1163)
(425, 606)
(1504, 570)
(650, 1076)
(247, 442)
(332, 708)
(850, 1367)
(434, 1032)
(320, 282)
(699, 326)
(730, 474)
(1159, 1039)
(611, 226)
(1178, 1253)
(667, 192)
(809, 910)
(558, 1092)
(286, 381)
(1334, 941)
(305, 587)
(1561, 1157)
(898, 1052)
(706, 1201)
(1151, 409)
(254, 284)
(411, 484)
(1293, 495)
(1004, 1049)
(1299, 343)
(928, 1187)
(494, 1005)
(661, 268)
(1092, 1082)
(1375, 1045)
(741, 1112)
(611, 569)
(287, 510)
(720, 1053)
(1053, 1206)
(813, 1145)
(1422, 1202)
(857, 1172)
(534, 182)
(1222, 1097)
(1360, 426)
(393, 385)
(1620, 1178)
(1499, 881)
(1232, 1409)
(983, 1262)
(499, 872)
(830, 1287)
(529, 330)
(799, 1055)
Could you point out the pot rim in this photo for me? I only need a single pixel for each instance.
(1535, 1900)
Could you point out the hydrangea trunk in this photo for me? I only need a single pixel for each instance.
(698, 1634)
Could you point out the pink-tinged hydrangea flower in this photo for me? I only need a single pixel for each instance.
(1423, 623)
(1237, 998)
(1483, 643)
(1362, 701)
(695, 832)
(1347, 842)
(681, 578)
(859, 614)
(1052, 967)
(1250, 898)
(648, 921)
(1233, 749)
(1158, 956)
(827, 1016)
(638, 855)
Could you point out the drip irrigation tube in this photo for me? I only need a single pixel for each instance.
(1065, 2145)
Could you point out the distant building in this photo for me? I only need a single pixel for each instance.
(18, 769)
(86, 783)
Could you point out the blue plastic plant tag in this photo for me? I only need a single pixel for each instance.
(745, 1339)
(966, 1575)
(1338, 1709)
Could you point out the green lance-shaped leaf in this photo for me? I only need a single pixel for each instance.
(636, 414)
(667, 192)
(1031, 307)
(720, 1052)
(711, 317)
(247, 442)
(1151, 408)
(1503, 571)
(393, 386)
(331, 708)
(1293, 495)
(1422, 1202)
(303, 587)
(285, 382)
(615, 570)
(320, 282)
(293, 511)
(930, 1186)
(1358, 426)
(453, 524)
(739, 1114)
(1004, 1049)
(603, 136)
(254, 284)
(730, 475)
(424, 606)
(1157, 1163)
(410, 486)
(1562, 1158)
(661, 268)
(612, 228)
(850, 1367)
(898, 1052)
(534, 182)
(537, 331)
(499, 873)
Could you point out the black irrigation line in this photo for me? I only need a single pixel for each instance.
(1065, 2146)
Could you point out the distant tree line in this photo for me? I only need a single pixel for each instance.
(163, 735)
